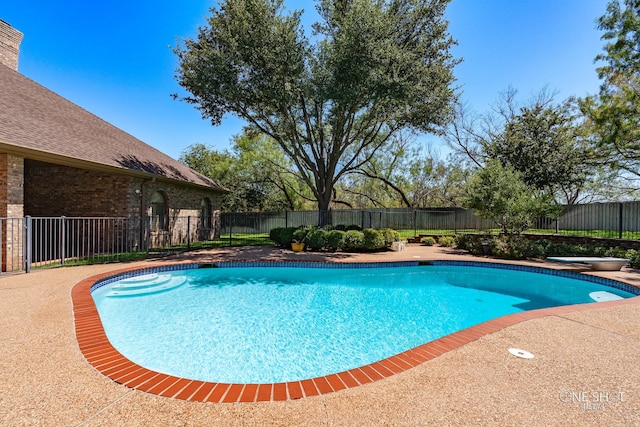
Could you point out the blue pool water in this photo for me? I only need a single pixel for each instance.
(271, 324)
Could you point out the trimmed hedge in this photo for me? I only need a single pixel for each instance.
(447, 241)
(353, 240)
(390, 236)
(373, 240)
(428, 241)
(341, 237)
(316, 239)
(282, 236)
(335, 240)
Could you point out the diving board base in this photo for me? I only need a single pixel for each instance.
(596, 263)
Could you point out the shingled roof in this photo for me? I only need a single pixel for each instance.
(38, 124)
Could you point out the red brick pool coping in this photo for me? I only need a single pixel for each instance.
(98, 351)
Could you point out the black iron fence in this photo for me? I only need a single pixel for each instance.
(42, 242)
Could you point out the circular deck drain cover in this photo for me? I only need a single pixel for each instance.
(521, 353)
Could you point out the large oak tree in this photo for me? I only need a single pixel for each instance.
(371, 69)
(615, 112)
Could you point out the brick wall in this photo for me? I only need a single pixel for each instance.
(10, 39)
(54, 190)
(183, 201)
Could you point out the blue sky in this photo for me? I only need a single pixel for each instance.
(115, 59)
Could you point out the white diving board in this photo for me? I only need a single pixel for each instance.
(596, 263)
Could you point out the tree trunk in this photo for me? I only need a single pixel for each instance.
(324, 209)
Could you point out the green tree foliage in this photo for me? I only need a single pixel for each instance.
(547, 143)
(211, 163)
(256, 172)
(404, 175)
(547, 147)
(615, 111)
(373, 69)
(498, 192)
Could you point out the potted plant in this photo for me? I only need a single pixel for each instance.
(297, 246)
(298, 241)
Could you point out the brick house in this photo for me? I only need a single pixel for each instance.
(57, 159)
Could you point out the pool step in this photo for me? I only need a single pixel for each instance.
(142, 282)
(161, 283)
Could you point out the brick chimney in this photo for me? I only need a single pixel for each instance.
(10, 39)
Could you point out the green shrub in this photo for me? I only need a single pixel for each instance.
(447, 241)
(282, 236)
(565, 249)
(340, 227)
(616, 253)
(536, 249)
(389, 236)
(634, 257)
(510, 247)
(428, 241)
(471, 243)
(462, 241)
(353, 240)
(519, 247)
(335, 240)
(274, 235)
(316, 239)
(499, 248)
(373, 240)
(599, 251)
(353, 227)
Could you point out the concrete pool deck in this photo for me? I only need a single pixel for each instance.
(584, 373)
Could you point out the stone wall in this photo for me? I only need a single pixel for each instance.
(11, 207)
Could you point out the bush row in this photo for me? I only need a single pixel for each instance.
(518, 247)
(346, 238)
(447, 241)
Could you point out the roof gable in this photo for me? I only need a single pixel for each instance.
(39, 121)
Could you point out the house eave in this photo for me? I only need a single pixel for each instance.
(58, 159)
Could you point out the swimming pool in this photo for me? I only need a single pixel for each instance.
(262, 323)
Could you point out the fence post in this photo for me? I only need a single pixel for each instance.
(620, 227)
(455, 222)
(286, 219)
(27, 245)
(230, 230)
(63, 242)
(415, 223)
